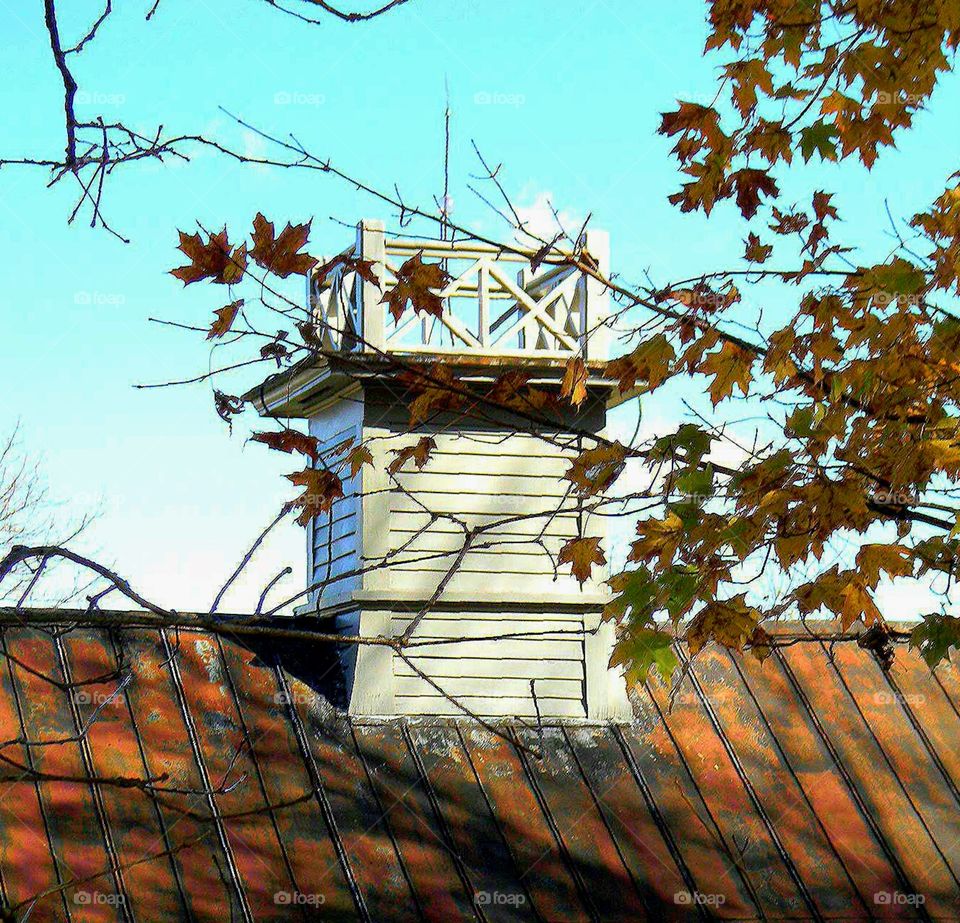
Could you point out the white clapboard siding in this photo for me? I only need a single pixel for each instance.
(480, 478)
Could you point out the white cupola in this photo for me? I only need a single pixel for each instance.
(509, 633)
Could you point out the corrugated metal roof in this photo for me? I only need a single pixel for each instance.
(815, 787)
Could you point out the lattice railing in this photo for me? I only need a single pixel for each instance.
(494, 305)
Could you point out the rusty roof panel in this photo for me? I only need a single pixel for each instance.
(186, 777)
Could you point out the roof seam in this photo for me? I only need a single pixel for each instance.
(259, 774)
(320, 793)
(555, 830)
(751, 792)
(235, 882)
(851, 785)
(800, 787)
(113, 857)
(161, 822)
(56, 860)
(658, 818)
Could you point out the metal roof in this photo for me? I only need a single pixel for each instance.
(811, 788)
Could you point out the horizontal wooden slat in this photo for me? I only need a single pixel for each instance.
(483, 484)
(564, 525)
(482, 624)
(489, 686)
(498, 505)
(487, 707)
(420, 581)
(506, 667)
(492, 564)
(522, 649)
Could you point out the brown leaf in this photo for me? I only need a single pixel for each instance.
(420, 453)
(730, 622)
(211, 260)
(280, 255)
(582, 554)
(289, 440)
(574, 385)
(225, 318)
(749, 184)
(593, 470)
(858, 603)
(226, 405)
(415, 281)
(731, 365)
(321, 488)
(756, 252)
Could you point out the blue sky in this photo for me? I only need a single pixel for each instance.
(567, 95)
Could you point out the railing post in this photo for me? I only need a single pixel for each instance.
(595, 334)
(371, 245)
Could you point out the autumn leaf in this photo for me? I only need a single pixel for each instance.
(225, 318)
(594, 470)
(639, 650)
(212, 259)
(658, 538)
(419, 452)
(756, 252)
(357, 457)
(729, 622)
(649, 362)
(289, 440)
(280, 255)
(857, 604)
(730, 367)
(935, 636)
(227, 406)
(749, 184)
(574, 385)
(416, 282)
(321, 488)
(582, 554)
(434, 389)
(363, 268)
(896, 560)
(819, 138)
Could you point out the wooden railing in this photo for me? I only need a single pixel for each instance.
(495, 305)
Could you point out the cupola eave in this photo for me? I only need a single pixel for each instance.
(297, 392)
